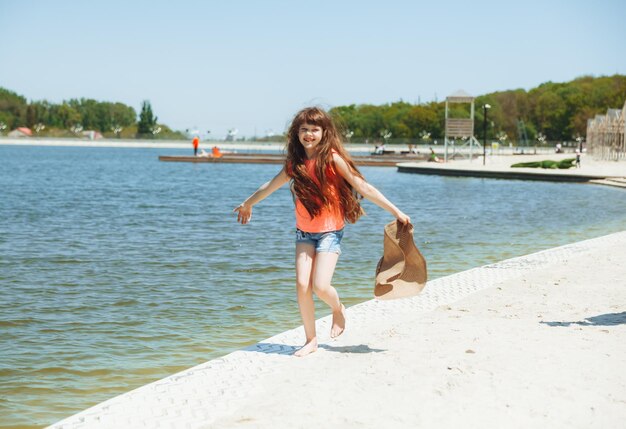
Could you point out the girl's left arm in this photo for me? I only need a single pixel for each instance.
(367, 190)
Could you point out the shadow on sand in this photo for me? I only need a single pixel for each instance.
(609, 319)
(272, 348)
(361, 348)
(283, 349)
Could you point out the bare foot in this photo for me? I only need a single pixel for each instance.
(307, 349)
(339, 322)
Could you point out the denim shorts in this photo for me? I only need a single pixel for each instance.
(323, 241)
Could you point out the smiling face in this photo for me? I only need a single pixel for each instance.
(310, 136)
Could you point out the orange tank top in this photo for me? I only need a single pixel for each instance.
(330, 218)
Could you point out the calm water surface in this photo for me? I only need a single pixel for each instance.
(117, 269)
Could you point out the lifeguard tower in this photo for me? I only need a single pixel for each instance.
(460, 128)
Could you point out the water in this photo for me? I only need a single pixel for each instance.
(117, 269)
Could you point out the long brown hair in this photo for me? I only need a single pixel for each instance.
(309, 191)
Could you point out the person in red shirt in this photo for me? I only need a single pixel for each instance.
(326, 184)
(196, 143)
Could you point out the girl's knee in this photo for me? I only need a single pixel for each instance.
(321, 288)
(303, 287)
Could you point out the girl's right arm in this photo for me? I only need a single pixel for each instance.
(244, 210)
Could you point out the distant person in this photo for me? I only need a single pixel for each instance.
(577, 158)
(433, 157)
(196, 143)
(315, 155)
(380, 149)
(215, 152)
(558, 148)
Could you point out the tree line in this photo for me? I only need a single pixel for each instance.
(70, 117)
(552, 111)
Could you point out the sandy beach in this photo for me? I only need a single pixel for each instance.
(502, 162)
(544, 350)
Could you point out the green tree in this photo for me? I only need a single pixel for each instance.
(12, 109)
(147, 121)
(41, 112)
(421, 118)
(394, 119)
(30, 116)
(88, 110)
(66, 116)
(344, 117)
(549, 111)
(559, 110)
(121, 114)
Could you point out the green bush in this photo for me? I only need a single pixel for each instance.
(567, 163)
(563, 165)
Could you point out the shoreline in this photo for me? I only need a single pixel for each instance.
(611, 173)
(497, 165)
(537, 339)
(247, 145)
(140, 144)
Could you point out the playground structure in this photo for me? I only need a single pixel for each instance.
(460, 128)
(605, 135)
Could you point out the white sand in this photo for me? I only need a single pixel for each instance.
(588, 165)
(544, 351)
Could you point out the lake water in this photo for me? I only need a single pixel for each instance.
(117, 269)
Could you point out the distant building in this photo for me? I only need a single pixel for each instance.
(92, 135)
(606, 135)
(21, 132)
(230, 137)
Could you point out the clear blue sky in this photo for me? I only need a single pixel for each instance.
(251, 65)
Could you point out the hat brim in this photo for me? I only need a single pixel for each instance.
(402, 271)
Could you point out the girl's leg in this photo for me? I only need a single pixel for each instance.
(305, 260)
(323, 270)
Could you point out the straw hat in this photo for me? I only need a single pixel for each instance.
(401, 272)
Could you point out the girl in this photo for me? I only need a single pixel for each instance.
(325, 183)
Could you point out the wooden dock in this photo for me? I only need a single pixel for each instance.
(255, 158)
